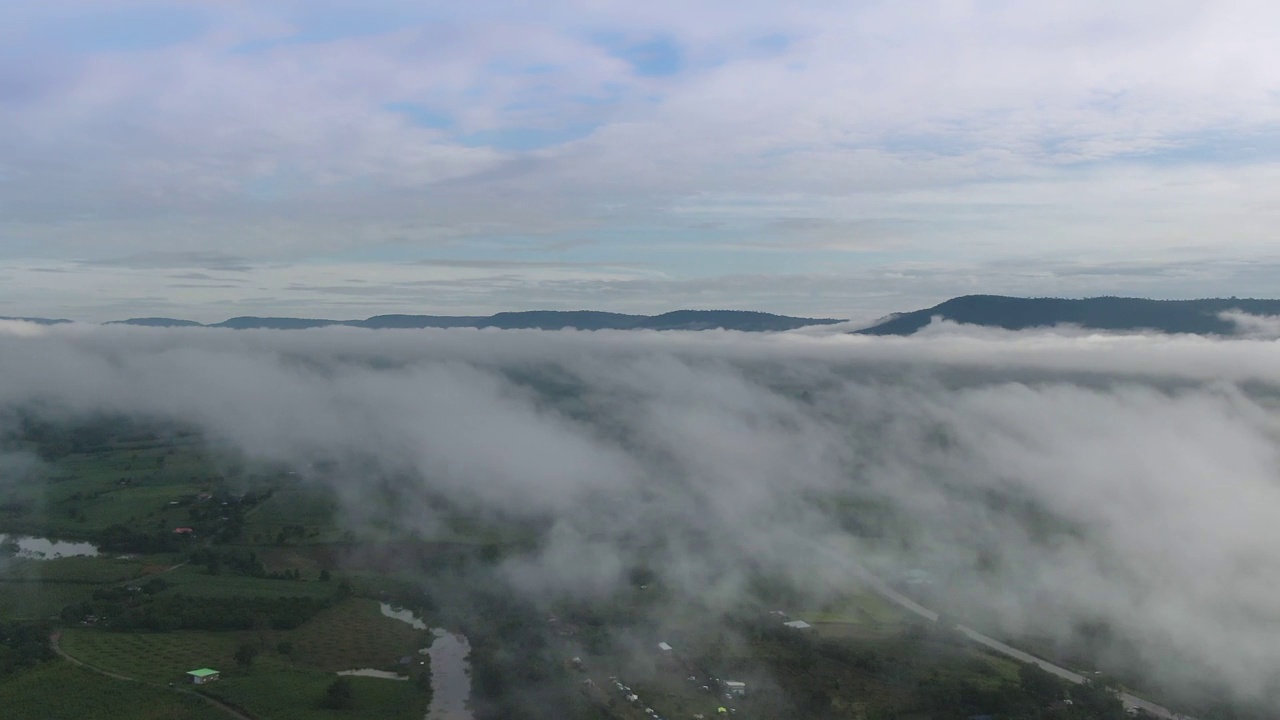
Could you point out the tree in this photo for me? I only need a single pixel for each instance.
(324, 576)
(245, 654)
(339, 696)
(284, 647)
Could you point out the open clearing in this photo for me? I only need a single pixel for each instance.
(58, 690)
(352, 634)
(280, 692)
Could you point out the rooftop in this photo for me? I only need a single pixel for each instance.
(203, 672)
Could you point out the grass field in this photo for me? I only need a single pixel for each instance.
(80, 569)
(313, 510)
(352, 634)
(858, 608)
(61, 691)
(194, 580)
(41, 588)
(280, 692)
(40, 600)
(153, 657)
(130, 483)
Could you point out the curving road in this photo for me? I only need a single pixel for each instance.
(897, 598)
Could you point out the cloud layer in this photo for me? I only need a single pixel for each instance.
(1047, 478)
(851, 140)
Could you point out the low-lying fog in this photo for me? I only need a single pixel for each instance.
(1046, 479)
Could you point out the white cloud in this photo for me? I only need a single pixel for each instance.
(994, 131)
(1149, 461)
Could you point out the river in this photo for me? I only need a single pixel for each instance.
(450, 669)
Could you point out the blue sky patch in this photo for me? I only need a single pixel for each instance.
(125, 29)
(525, 139)
(773, 44)
(421, 115)
(659, 57)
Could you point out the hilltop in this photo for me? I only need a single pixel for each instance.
(1199, 317)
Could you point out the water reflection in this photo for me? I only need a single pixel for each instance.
(38, 548)
(450, 679)
(370, 672)
(402, 615)
(450, 669)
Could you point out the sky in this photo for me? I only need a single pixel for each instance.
(343, 159)
(1044, 478)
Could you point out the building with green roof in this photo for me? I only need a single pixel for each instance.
(203, 675)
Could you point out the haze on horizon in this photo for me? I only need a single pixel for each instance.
(344, 159)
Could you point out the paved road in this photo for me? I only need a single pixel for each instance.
(55, 644)
(897, 598)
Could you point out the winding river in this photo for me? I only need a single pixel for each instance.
(450, 669)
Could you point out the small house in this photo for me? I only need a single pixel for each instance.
(664, 647)
(183, 531)
(203, 676)
(797, 625)
(736, 688)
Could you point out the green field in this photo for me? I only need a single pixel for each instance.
(354, 634)
(860, 616)
(194, 580)
(153, 657)
(280, 692)
(350, 635)
(312, 510)
(35, 600)
(81, 569)
(61, 691)
(87, 492)
(41, 588)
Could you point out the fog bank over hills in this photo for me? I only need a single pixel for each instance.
(1047, 479)
(1211, 316)
(534, 319)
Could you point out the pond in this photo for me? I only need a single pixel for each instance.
(403, 616)
(450, 669)
(38, 548)
(370, 672)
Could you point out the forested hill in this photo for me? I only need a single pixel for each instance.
(537, 319)
(1201, 317)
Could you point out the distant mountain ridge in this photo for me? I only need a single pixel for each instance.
(38, 321)
(1199, 317)
(743, 320)
(1117, 314)
(155, 322)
